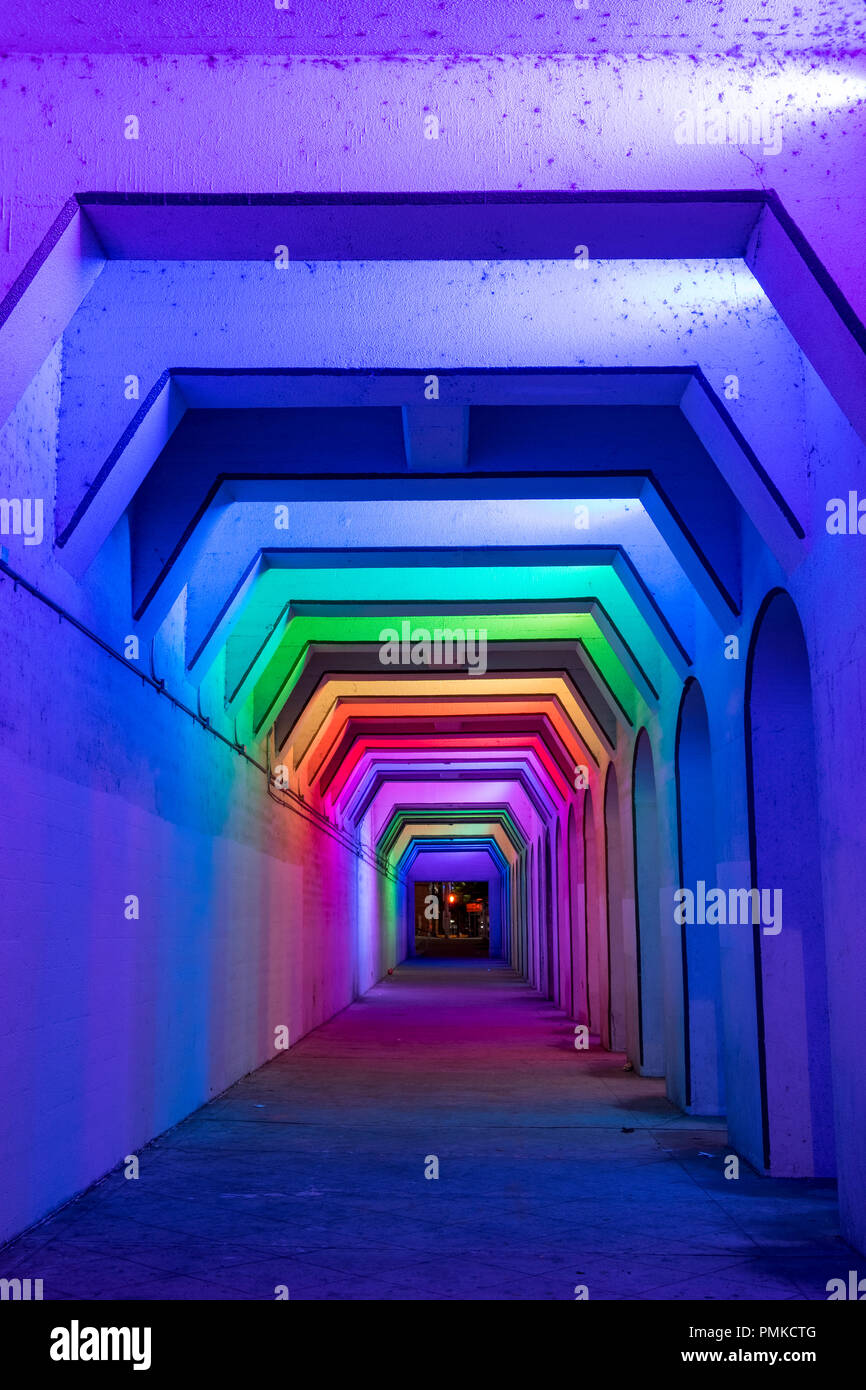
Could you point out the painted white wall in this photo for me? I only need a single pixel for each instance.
(121, 1027)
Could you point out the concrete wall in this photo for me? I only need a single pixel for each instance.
(120, 1026)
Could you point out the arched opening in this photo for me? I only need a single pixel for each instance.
(702, 978)
(596, 935)
(615, 867)
(647, 850)
(561, 973)
(538, 929)
(790, 964)
(547, 925)
(577, 917)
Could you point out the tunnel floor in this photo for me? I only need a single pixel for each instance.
(556, 1169)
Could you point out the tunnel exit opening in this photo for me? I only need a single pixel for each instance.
(452, 917)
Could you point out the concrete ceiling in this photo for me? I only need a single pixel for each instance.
(391, 27)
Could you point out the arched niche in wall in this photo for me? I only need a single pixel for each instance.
(576, 948)
(647, 852)
(596, 933)
(703, 1034)
(547, 980)
(561, 975)
(616, 953)
(784, 832)
(522, 955)
(534, 918)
